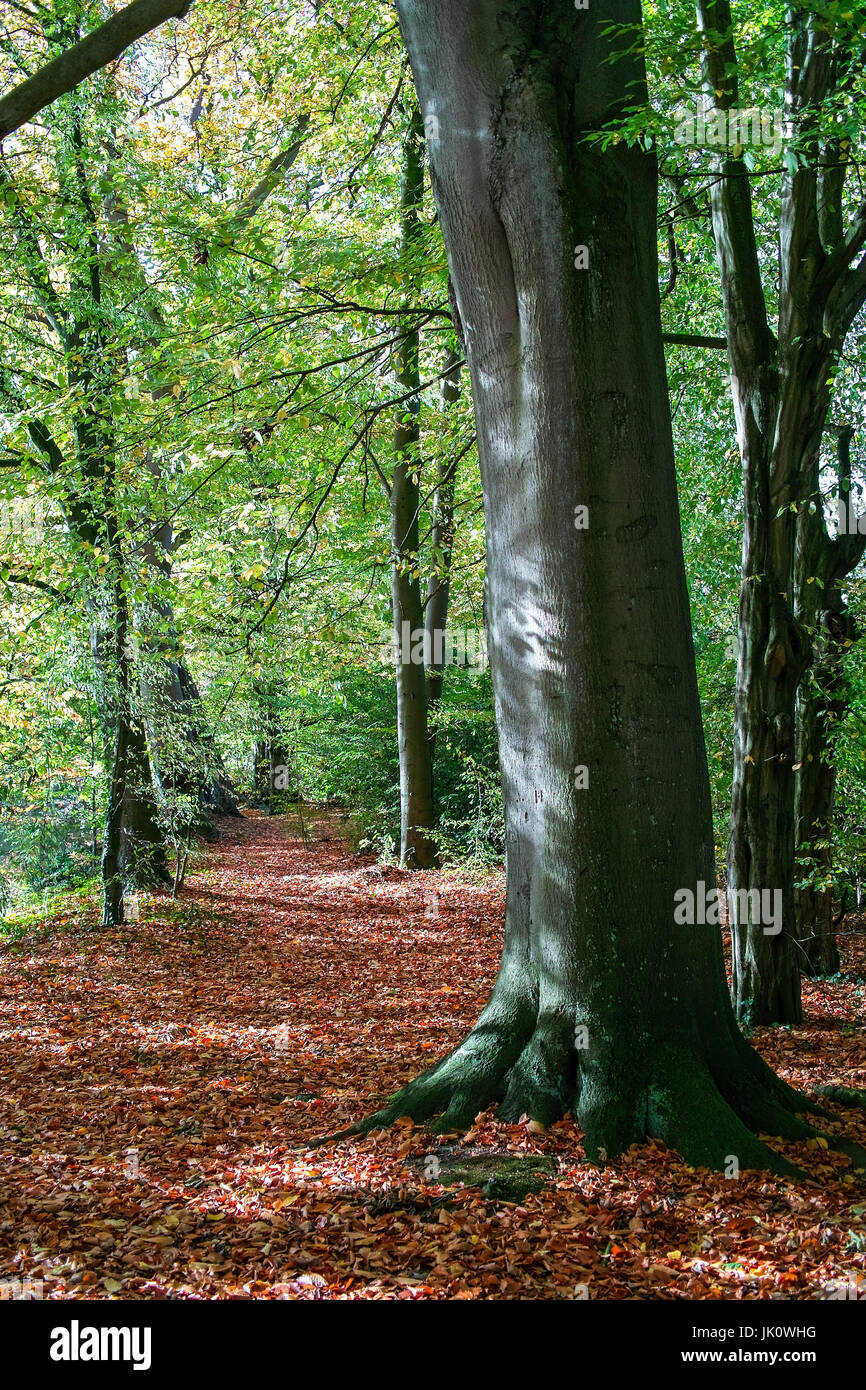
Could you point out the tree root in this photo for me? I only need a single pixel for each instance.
(712, 1109)
(843, 1095)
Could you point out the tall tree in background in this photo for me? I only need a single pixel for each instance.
(187, 760)
(84, 474)
(823, 562)
(602, 1003)
(441, 551)
(417, 849)
(781, 392)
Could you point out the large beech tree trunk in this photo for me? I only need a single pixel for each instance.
(602, 1003)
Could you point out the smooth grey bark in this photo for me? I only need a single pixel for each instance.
(83, 59)
(779, 384)
(602, 1003)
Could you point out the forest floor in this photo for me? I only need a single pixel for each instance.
(160, 1083)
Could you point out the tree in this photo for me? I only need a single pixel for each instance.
(417, 849)
(822, 565)
(441, 549)
(84, 58)
(602, 1003)
(85, 478)
(247, 408)
(780, 384)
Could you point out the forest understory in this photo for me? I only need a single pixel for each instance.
(291, 989)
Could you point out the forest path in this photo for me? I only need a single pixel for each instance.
(159, 1083)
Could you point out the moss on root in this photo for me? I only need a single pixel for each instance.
(504, 1177)
(712, 1117)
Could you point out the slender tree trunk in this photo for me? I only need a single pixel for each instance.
(441, 545)
(185, 755)
(417, 849)
(141, 847)
(261, 767)
(780, 389)
(112, 841)
(773, 652)
(602, 1003)
(822, 702)
(119, 764)
(816, 794)
(134, 846)
(143, 854)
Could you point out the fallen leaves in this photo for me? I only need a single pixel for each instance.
(160, 1084)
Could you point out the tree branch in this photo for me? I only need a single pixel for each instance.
(30, 583)
(694, 340)
(271, 179)
(94, 51)
(748, 327)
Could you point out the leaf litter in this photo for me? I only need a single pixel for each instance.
(162, 1085)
